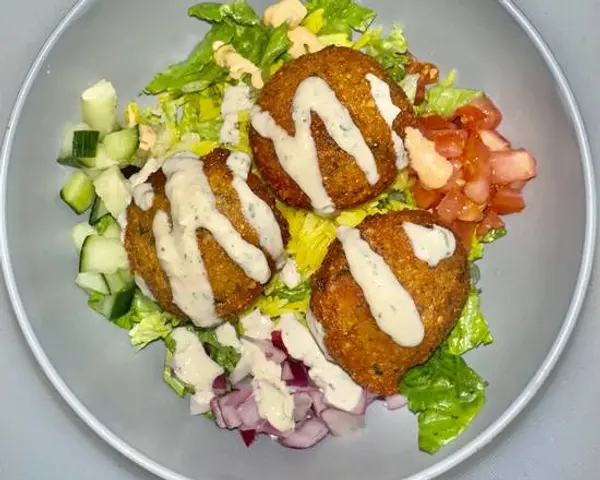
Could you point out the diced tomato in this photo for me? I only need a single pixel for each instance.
(490, 222)
(456, 180)
(507, 200)
(512, 166)
(468, 116)
(478, 189)
(456, 205)
(464, 231)
(492, 116)
(450, 143)
(475, 155)
(426, 198)
(494, 141)
(436, 122)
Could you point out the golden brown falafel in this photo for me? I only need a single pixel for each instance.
(344, 70)
(352, 336)
(233, 290)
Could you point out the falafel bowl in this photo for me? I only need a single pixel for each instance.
(297, 215)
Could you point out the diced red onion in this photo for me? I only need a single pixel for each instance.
(299, 373)
(197, 408)
(231, 417)
(302, 404)
(371, 397)
(318, 399)
(341, 423)
(269, 429)
(277, 341)
(306, 434)
(271, 352)
(249, 414)
(216, 410)
(248, 436)
(361, 406)
(286, 372)
(395, 402)
(220, 384)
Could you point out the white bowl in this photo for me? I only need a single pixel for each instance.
(533, 281)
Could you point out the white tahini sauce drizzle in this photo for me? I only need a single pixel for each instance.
(339, 389)
(289, 274)
(391, 305)
(432, 245)
(256, 211)
(193, 366)
(143, 286)
(298, 154)
(380, 91)
(235, 100)
(317, 331)
(275, 402)
(193, 207)
(227, 336)
(143, 193)
(256, 325)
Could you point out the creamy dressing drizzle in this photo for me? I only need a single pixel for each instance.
(193, 207)
(318, 333)
(339, 389)
(298, 154)
(235, 100)
(193, 366)
(289, 274)
(391, 305)
(256, 211)
(380, 91)
(432, 245)
(143, 193)
(143, 286)
(256, 325)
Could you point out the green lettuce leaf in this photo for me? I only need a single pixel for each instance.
(179, 387)
(477, 247)
(227, 357)
(296, 294)
(239, 12)
(390, 51)
(152, 327)
(446, 395)
(471, 330)
(278, 44)
(341, 16)
(444, 99)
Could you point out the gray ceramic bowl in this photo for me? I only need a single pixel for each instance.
(533, 280)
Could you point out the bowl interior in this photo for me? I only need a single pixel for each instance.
(528, 278)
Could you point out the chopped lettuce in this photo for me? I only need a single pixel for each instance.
(279, 290)
(152, 327)
(390, 51)
(477, 247)
(238, 11)
(443, 99)
(314, 21)
(339, 16)
(279, 299)
(446, 394)
(471, 330)
(179, 387)
(227, 357)
(277, 45)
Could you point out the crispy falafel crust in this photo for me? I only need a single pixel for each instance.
(344, 70)
(352, 336)
(233, 290)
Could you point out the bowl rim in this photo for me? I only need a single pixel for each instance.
(485, 437)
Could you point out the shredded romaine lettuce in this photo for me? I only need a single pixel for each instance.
(238, 11)
(390, 51)
(152, 327)
(444, 99)
(227, 357)
(476, 251)
(446, 395)
(278, 44)
(471, 330)
(341, 16)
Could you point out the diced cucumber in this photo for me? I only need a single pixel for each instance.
(92, 283)
(85, 143)
(98, 211)
(80, 232)
(108, 227)
(112, 306)
(99, 107)
(119, 281)
(113, 189)
(65, 156)
(78, 192)
(100, 161)
(122, 145)
(102, 255)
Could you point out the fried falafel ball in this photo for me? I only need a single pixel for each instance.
(233, 290)
(351, 335)
(345, 71)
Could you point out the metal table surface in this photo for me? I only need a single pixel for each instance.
(555, 438)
